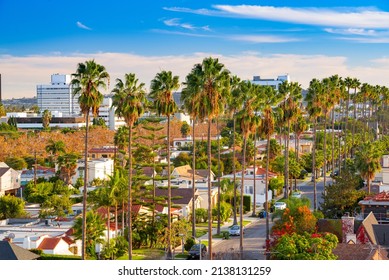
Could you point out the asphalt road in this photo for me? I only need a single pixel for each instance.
(255, 235)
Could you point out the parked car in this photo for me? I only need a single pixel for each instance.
(279, 205)
(194, 252)
(296, 194)
(235, 230)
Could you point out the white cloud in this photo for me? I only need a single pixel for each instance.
(21, 74)
(176, 22)
(360, 17)
(82, 26)
(261, 39)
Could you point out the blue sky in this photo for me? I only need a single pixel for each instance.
(305, 39)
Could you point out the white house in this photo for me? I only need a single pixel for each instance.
(97, 168)
(9, 179)
(249, 176)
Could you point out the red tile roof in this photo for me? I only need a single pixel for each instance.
(49, 243)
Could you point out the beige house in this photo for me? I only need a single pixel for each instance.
(9, 180)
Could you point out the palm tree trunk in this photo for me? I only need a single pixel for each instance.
(84, 200)
(234, 169)
(209, 194)
(286, 153)
(333, 140)
(267, 252)
(218, 177)
(169, 194)
(241, 198)
(129, 210)
(324, 149)
(255, 179)
(193, 180)
(314, 166)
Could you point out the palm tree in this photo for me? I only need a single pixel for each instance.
(67, 165)
(162, 87)
(267, 128)
(129, 100)
(314, 111)
(248, 121)
(55, 148)
(89, 78)
(234, 105)
(368, 161)
(291, 92)
(95, 231)
(191, 99)
(213, 86)
(46, 118)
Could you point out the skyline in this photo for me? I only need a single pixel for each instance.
(252, 38)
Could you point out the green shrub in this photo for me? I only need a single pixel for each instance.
(189, 243)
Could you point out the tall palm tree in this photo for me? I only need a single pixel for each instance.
(162, 88)
(129, 100)
(356, 85)
(249, 121)
(235, 102)
(291, 92)
(314, 111)
(213, 85)
(267, 128)
(46, 118)
(87, 82)
(191, 99)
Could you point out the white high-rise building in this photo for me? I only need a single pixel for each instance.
(58, 97)
(271, 82)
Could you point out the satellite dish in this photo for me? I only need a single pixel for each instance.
(11, 235)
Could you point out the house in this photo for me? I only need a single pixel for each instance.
(10, 251)
(378, 204)
(100, 168)
(28, 175)
(258, 174)
(182, 177)
(9, 180)
(103, 152)
(182, 199)
(367, 242)
(187, 141)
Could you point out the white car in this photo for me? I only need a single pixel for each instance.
(235, 230)
(296, 194)
(279, 205)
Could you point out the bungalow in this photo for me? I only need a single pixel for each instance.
(97, 169)
(182, 198)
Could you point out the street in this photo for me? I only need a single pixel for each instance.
(255, 235)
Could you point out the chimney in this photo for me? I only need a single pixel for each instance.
(347, 227)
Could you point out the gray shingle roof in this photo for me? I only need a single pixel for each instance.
(9, 251)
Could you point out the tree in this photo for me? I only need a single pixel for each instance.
(213, 86)
(305, 247)
(46, 118)
(87, 82)
(56, 205)
(94, 231)
(67, 165)
(342, 196)
(248, 120)
(129, 99)
(368, 161)
(185, 129)
(162, 87)
(291, 93)
(55, 148)
(314, 111)
(2, 110)
(11, 207)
